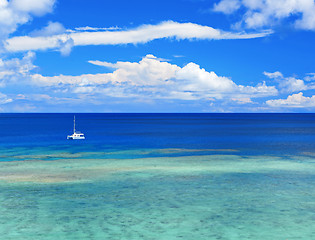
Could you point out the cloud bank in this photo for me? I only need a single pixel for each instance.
(156, 79)
(150, 80)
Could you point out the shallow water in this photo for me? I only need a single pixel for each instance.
(96, 190)
(165, 197)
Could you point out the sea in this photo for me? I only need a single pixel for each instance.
(157, 176)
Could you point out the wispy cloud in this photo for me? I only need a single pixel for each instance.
(87, 28)
(258, 13)
(140, 35)
(4, 99)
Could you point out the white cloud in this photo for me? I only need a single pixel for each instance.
(293, 101)
(274, 74)
(227, 6)
(310, 77)
(51, 29)
(260, 90)
(292, 84)
(262, 13)
(13, 70)
(289, 84)
(142, 34)
(66, 46)
(87, 28)
(16, 12)
(154, 78)
(60, 80)
(149, 79)
(242, 100)
(149, 71)
(4, 99)
(36, 7)
(198, 79)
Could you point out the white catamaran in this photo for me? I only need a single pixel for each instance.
(76, 134)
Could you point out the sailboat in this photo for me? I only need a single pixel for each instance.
(76, 134)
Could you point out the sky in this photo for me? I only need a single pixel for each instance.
(157, 56)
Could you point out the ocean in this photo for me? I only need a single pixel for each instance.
(157, 176)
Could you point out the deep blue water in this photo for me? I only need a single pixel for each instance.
(248, 133)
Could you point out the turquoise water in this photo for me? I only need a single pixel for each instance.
(99, 191)
(204, 196)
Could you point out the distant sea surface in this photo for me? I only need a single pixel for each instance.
(157, 176)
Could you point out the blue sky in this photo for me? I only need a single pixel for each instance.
(157, 56)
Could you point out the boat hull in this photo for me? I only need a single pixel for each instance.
(70, 137)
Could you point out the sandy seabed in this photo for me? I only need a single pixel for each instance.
(155, 194)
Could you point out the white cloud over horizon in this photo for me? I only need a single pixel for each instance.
(154, 78)
(151, 79)
(266, 13)
(139, 35)
(291, 84)
(293, 101)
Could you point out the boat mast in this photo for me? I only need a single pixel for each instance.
(73, 123)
